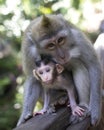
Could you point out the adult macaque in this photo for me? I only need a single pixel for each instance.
(53, 75)
(53, 35)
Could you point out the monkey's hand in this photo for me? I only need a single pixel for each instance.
(49, 110)
(41, 112)
(77, 118)
(24, 118)
(77, 110)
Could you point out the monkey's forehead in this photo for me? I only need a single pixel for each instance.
(47, 25)
(43, 66)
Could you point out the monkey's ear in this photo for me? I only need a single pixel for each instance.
(45, 21)
(35, 74)
(59, 68)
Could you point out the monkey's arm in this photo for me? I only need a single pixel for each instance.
(46, 99)
(99, 47)
(32, 87)
(76, 110)
(90, 60)
(31, 94)
(95, 97)
(95, 76)
(47, 104)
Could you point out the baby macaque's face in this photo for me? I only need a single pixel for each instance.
(45, 73)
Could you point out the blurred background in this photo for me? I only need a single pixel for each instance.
(15, 16)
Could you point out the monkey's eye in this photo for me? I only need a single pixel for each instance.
(40, 72)
(61, 40)
(48, 70)
(50, 46)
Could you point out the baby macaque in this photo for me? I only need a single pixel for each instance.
(54, 76)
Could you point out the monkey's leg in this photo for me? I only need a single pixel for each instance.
(50, 108)
(32, 90)
(46, 102)
(82, 83)
(76, 110)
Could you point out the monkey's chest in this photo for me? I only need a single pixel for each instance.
(59, 83)
(53, 86)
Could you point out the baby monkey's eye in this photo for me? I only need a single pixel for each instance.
(47, 70)
(41, 72)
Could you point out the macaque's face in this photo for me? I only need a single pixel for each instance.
(45, 73)
(57, 47)
(56, 39)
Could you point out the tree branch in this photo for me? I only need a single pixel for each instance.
(56, 121)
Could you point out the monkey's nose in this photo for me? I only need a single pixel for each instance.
(62, 55)
(46, 78)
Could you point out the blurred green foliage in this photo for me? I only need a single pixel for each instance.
(15, 16)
